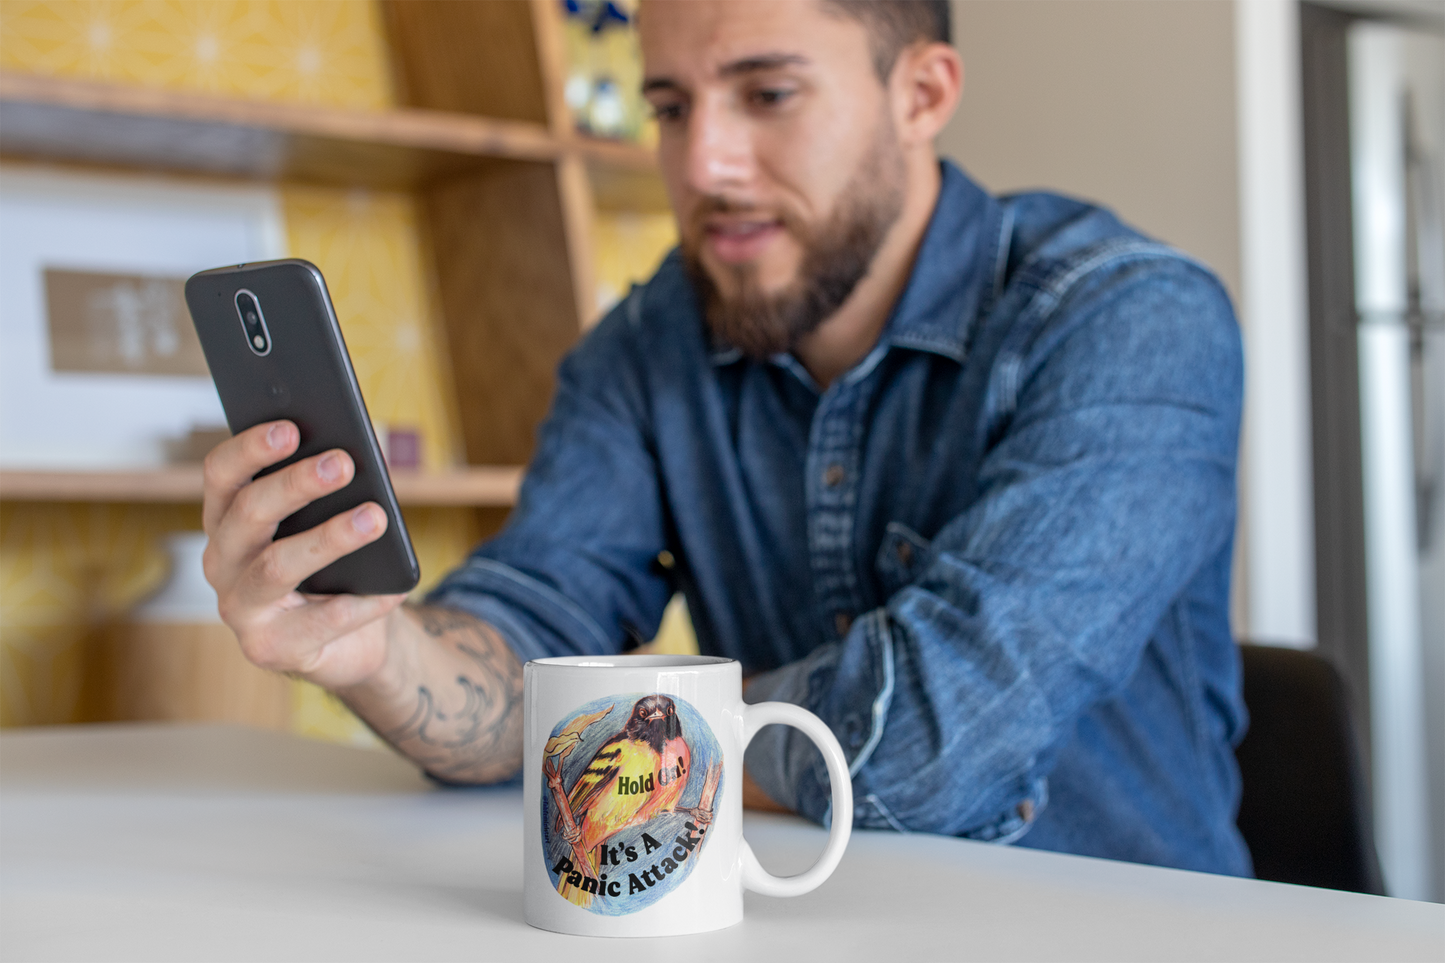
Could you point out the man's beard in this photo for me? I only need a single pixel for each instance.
(836, 256)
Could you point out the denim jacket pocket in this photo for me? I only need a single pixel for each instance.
(901, 557)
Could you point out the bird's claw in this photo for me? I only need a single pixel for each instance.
(699, 816)
(571, 835)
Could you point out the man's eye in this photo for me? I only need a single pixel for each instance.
(663, 113)
(771, 96)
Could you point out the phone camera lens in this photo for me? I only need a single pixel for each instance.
(257, 337)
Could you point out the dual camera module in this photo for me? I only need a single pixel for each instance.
(253, 322)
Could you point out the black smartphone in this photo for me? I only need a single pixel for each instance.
(275, 351)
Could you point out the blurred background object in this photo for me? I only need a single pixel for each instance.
(102, 367)
(172, 659)
(1396, 81)
(403, 447)
(196, 445)
(603, 93)
(604, 70)
(120, 323)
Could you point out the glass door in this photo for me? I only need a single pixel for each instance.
(1396, 91)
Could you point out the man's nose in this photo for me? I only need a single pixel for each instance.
(719, 149)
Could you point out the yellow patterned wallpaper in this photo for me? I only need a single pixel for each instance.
(628, 247)
(66, 569)
(320, 51)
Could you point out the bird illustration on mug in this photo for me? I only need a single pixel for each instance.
(635, 776)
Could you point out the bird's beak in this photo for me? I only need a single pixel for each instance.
(654, 715)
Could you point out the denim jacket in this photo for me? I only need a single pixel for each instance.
(993, 556)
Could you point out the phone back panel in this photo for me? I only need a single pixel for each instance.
(306, 377)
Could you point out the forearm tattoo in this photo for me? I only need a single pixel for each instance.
(468, 729)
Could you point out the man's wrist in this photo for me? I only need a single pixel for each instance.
(448, 694)
(395, 676)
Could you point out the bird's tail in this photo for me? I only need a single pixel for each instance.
(580, 894)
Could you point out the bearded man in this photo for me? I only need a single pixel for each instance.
(955, 472)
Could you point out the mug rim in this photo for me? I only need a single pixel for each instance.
(626, 662)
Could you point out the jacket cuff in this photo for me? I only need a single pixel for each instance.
(768, 760)
(848, 685)
(536, 621)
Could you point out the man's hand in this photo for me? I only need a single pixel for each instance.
(439, 685)
(335, 641)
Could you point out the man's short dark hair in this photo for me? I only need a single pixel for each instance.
(893, 25)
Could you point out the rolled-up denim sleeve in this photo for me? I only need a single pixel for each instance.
(1111, 482)
(574, 570)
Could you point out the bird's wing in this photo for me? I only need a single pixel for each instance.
(597, 778)
(611, 812)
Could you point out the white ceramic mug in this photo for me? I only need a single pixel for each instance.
(633, 772)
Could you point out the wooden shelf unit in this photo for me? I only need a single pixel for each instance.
(506, 189)
(476, 486)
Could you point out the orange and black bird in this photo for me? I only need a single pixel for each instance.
(636, 775)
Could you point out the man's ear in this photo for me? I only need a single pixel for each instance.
(925, 86)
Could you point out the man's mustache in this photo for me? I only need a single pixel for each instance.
(721, 204)
(713, 204)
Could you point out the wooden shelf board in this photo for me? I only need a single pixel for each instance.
(463, 487)
(82, 121)
(59, 119)
(617, 154)
(478, 485)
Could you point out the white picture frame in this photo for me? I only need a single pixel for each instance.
(116, 223)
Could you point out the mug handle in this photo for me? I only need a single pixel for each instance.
(755, 877)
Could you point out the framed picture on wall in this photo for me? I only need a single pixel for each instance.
(99, 364)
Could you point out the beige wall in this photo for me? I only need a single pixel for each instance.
(1130, 103)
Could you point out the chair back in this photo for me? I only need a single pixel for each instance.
(1305, 805)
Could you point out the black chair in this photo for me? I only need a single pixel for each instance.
(1305, 807)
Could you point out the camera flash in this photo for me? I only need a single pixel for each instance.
(259, 341)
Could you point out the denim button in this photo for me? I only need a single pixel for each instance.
(1026, 810)
(833, 476)
(842, 622)
(904, 552)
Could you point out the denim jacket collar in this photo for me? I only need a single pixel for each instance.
(938, 306)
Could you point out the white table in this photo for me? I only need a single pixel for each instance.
(208, 842)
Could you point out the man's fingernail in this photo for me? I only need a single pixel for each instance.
(329, 468)
(364, 520)
(276, 437)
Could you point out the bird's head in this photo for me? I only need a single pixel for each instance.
(655, 719)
